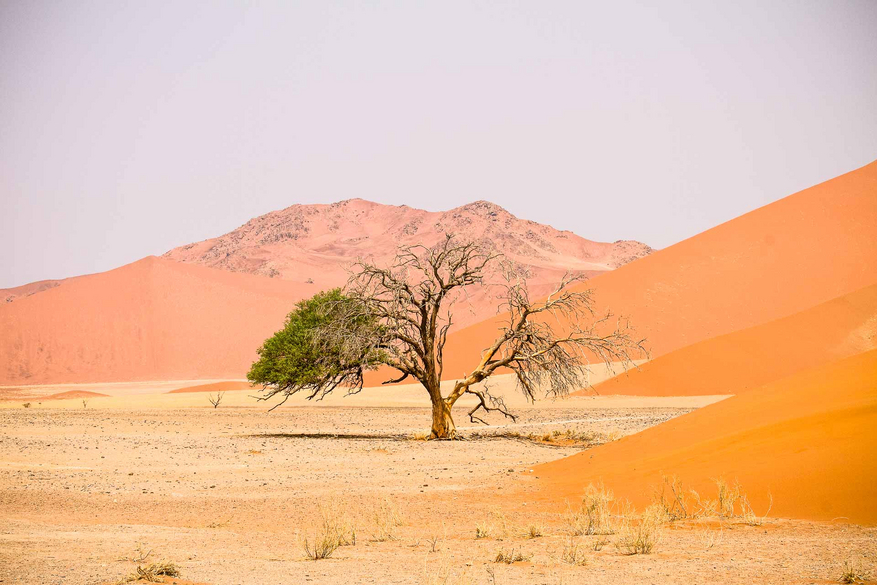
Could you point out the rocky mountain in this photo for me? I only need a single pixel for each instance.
(201, 311)
(315, 242)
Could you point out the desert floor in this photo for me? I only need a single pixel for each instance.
(230, 493)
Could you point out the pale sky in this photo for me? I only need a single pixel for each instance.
(129, 128)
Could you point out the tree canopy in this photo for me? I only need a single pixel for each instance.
(400, 316)
(298, 359)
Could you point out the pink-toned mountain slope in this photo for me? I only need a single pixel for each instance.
(10, 294)
(807, 441)
(314, 244)
(197, 313)
(155, 319)
(786, 257)
(747, 359)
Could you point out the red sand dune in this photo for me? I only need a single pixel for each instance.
(740, 361)
(160, 318)
(214, 387)
(808, 440)
(10, 294)
(786, 257)
(73, 394)
(155, 319)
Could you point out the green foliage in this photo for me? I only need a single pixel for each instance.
(312, 352)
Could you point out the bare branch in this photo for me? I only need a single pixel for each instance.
(488, 403)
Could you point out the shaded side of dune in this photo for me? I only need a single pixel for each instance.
(807, 440)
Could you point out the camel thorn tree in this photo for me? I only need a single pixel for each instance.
(399, 316)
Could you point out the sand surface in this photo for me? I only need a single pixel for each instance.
(807, 441)
(154, 319)
(781, 259)
(747, 359)
(229, 493)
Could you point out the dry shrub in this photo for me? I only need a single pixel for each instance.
(594, 515)
(509, 556)
(852, 573)
(573, 553)
(335, 530)
(600, 542)
(153, 572)
(638, 535)
(494, 526)
(321, 546)
(337, 523)
(534, 531)
(749, 516)
(705, 508)
(577, 437)
(711, 538)
(215, 399)
(482, 530)
(434, 539)
(141, 553)
(387, 518)
(26, 405)
(566, 437)
(727, 498)
(730, 502)
(672, 499)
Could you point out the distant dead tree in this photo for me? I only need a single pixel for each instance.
(399, 316)
(215, 399)
(85, 403)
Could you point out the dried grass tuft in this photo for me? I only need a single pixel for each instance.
(387, 517)
(573, 553)
(594, 514)
(639, 534)
(153, 572)
(321, 546)
(671, 497)
(749, 516)
(494, 526)
(335, 530)
(509, 556)
(852, 574)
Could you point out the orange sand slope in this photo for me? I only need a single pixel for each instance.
(73, 394)
(155, 319)
(214, 387)
(740, 361)
(808, 440)
(793, 254)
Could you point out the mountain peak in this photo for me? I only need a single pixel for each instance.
(483, 208)
(313, 243)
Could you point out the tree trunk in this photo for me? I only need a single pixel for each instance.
(442, 423)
